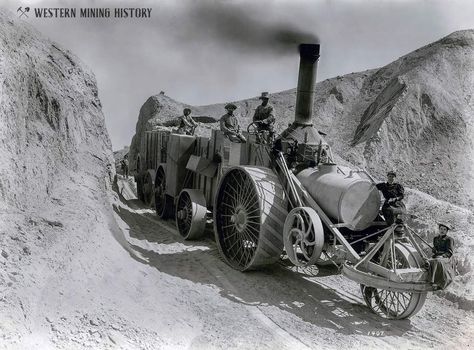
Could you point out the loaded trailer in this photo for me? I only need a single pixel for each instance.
(285, 194)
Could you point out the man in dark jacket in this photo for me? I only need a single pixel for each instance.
(124, 163)
(443, 245)
(441, 267)
(393, 193)
(264, 116)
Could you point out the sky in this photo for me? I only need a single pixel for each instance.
(205, 52)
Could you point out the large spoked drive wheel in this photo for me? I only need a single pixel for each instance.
(249, 213)
(163, 202)
(392, 304)
(191, 214)
(303, 236)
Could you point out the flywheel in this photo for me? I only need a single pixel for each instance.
(303, 236)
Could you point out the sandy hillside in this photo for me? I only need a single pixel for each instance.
(53, 183)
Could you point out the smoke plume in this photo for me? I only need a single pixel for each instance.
(243, 28)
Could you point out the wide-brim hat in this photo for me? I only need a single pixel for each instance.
(391, 172)
(445, 224)
(264, 96)
(186, 110)
(230, 106)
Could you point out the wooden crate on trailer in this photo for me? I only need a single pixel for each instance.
(180, 148)
(163, 138)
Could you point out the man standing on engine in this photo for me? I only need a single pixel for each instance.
(230, 126)
(393, 193)
(264, 117)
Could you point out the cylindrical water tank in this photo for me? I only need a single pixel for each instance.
(343, 195)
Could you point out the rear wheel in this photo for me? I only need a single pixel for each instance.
(249, 214)
(392, 304)
(139, 181)
(163, 202)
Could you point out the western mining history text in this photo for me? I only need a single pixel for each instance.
(71, 12)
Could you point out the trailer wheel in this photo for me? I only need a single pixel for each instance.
(147, 189)
(249, 214)
(138, 180)
(191, 214)
(163, 202)
(391, 304)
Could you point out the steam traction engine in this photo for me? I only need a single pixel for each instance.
(267, 196)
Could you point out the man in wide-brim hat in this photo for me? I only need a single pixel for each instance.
(229, 124)
(441, 268)
(264, 116)
(443, 245)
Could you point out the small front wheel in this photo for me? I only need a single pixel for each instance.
(392, 304)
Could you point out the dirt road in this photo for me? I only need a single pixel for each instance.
(277, 307)
(119, 278)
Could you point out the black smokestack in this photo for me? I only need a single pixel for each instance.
(309, 55)
(302, 128)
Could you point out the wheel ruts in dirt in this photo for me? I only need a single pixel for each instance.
(303, 236)
(191, 213)
(163, 202)
(249, 214)
(391, 304)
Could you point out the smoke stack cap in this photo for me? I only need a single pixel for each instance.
(309, 50)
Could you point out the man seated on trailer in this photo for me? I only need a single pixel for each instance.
(187, 125)
(230, 126)
(393, 193)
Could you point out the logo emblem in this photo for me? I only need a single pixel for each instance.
(23, 12)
